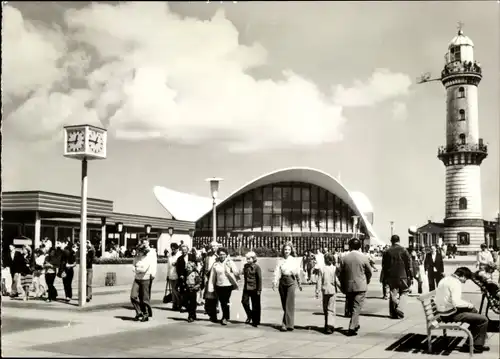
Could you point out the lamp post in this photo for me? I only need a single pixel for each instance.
(392, 227)
(214, 191)
(119, 229)
(355, 221)
(84, 142)
(147, 229)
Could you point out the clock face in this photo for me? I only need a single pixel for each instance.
(96, 142)
(76, 141)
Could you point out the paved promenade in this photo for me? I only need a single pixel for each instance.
(104, 329)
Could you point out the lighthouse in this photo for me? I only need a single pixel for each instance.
(464, 150)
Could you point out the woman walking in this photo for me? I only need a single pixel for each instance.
(51, 267)
(287, 279)
(416, 263)
(222, 281)
(26, 271)
(68, 271)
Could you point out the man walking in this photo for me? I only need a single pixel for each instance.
(172, 276)
(434, 267)
(181, 267)
(396, 268)
(145, 263)
(210, 303)
(355, 274)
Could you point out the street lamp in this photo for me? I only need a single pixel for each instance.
(119, 229)
(392, 227)
(84, 142)
(147, 229)
(355, 220)
(170, 231)
(214, 191)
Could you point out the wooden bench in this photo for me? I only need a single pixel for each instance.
(434, 321)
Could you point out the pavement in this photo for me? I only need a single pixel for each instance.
(104, 328)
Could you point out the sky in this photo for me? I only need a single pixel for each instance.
(234, 90)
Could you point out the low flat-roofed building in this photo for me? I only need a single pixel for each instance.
(40, 214)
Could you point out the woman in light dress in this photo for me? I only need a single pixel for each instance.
(287, 279)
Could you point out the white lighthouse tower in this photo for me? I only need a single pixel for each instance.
(464, 150)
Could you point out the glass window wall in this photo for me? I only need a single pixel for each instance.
(283, 207)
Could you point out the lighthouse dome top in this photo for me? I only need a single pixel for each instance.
(460, 40)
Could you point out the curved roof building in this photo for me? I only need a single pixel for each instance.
(297, 202)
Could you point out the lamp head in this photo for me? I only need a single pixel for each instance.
(191, 233)
(147, 228)
(214, 186)
(119, 227)
(170, 231)
(412, 230)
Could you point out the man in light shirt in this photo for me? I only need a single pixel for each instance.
(172, 276)
(145, 265)
(452, 308)
(484, 257)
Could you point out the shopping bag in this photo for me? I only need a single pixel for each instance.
(167, 297)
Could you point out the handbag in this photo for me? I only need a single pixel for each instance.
(167, 297)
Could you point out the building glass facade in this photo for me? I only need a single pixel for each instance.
(284, 208)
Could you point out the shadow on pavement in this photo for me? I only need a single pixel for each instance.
(494, 326)
(417, 343)
(124, 318)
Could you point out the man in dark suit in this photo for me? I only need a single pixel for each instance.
(180, 267)
(354, 274)
(396, 268)
(434, 267)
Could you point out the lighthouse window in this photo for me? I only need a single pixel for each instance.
(461, 92)
(463, 238)
(456, 53)
(462, 139)
(461, 115)
(462, 203)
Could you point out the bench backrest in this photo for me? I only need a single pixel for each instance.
(431, 314)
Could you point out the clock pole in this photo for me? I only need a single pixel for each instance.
(84, 143)
(82, 283)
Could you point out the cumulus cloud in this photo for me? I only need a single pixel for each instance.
(399, 111)
(144, 72)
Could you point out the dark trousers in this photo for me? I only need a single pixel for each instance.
(354, 302)
(434, 278)
(224, 295)
(478, 323)
(139, 296)
(191, 303)
(287, 295)
(150, 311)
(397, 295)
(211, 308)
(254, 312)
(67, 282)
(52, 291)
(90, 274)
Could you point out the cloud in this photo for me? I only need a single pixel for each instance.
(399, 111)
(382, 85)
(145, 72)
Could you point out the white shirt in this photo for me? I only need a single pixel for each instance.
(484, 257)
(171, 270)
(449, 295)
(289, 266)
(145, 265)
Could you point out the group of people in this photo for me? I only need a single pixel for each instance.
(36, 271)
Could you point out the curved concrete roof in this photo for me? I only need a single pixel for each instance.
(189, 207)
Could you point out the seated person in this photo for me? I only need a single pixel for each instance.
(453, 308)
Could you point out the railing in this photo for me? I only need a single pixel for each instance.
(461, 67)
(463, 148)
(242, 245)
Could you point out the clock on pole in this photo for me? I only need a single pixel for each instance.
(84, 142)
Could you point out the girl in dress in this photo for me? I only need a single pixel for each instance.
(39, 273)
(287, 279)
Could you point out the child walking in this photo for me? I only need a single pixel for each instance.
(193, 285)
(252, 289)
(327, 283)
